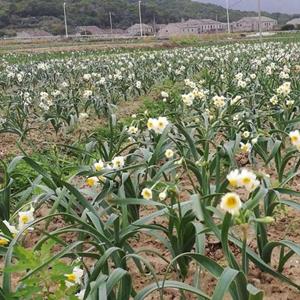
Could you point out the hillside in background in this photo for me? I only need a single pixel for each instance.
(48, 14)
(284, 6)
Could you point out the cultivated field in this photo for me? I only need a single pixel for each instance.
(151, 174)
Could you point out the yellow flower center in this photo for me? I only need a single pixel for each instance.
(233, 182)
(231, 202)
(294, 139)
(3, 242)
(246, 180)
(98, 168)
(150, 124)
(25, 219)
(147, 194)
(71, 277)
(90, 182)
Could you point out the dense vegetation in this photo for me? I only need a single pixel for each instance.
(191, 186)
(48, 14)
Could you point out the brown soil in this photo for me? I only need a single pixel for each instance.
(33, 142)
(283, 228)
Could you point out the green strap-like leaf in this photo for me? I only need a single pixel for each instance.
(254, 293)
(268, 249)
(172, 285)
(227, 278)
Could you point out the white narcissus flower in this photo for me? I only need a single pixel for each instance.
(161, 124)
(233, 178)
(162, 196)
(158, 125)
(3, 241)
(169, 153)
(83, 116)
(44, 106)
(274, 100)
(246, 134)
(56, 93)
(219, 101)
(64, 84)
(87, 77)
(239, 76)
(92, 181)
(164, 95)
(132, 130)
(242, 84)
(295, 137)
(290, 102)
(74, 277)
(87, 94)
(284, 89)
(151, 123)
(245, 148)
(188, 99)
(248, 180)
(138, 85)
(118, 162)
(44, 96)
(13, 230)
(147, 193)
(25, 217)
(99, 166)
(231, 203)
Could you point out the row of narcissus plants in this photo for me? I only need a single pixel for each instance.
(65, 91)
(202, 165)
(240, 193)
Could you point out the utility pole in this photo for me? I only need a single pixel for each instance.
(111, 26)
(227, 12)
(65, 17)
(259, 19)
(140, 14)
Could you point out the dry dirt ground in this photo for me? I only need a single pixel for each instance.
(287, 226)
(45, 46)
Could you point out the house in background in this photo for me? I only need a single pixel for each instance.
(171, 29)
(135, 30)
(32, 33)
(192, 27)
(88, 30)
(294, 22)
(249, 24)
(158, 27)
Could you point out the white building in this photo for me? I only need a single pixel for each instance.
(192, 27)
(295, 22)
(88, 30)
(135, 30)
(252, 24)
